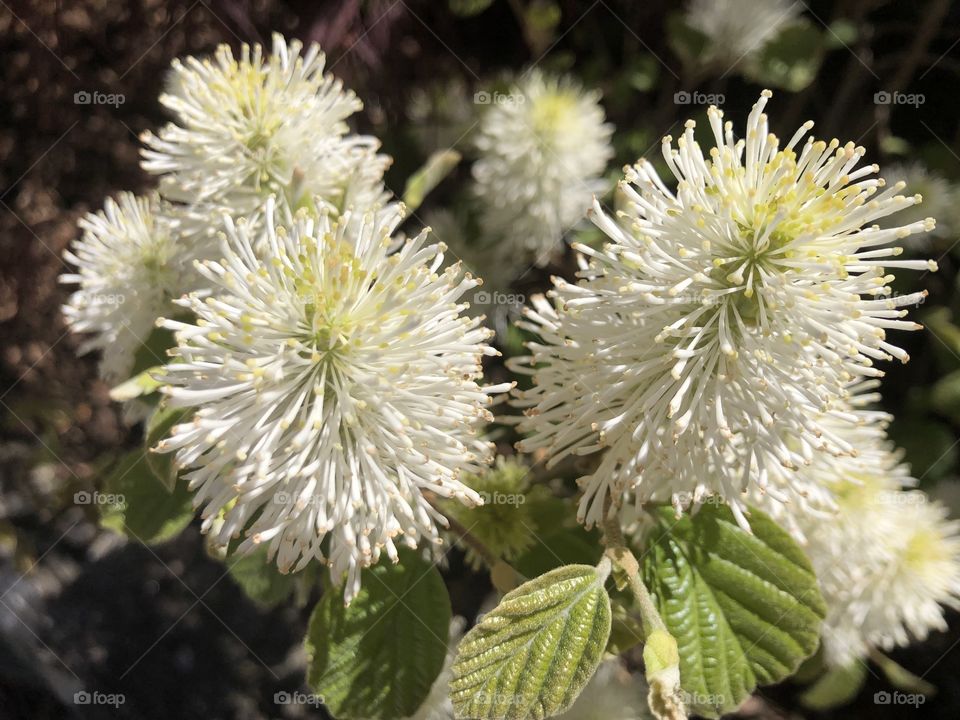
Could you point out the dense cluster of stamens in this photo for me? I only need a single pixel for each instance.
(335, 384)
(706, 341)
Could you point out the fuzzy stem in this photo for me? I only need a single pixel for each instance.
(661, 655)
(618, 551)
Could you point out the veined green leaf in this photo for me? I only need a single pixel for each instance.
(377, 658)
(745, 608)
(140, 507)
(532, 655)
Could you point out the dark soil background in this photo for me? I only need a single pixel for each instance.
(81, 608)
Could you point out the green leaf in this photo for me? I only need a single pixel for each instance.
(540, 20)
(158, 427)
(469, 8)
(139, 385)
(532, 655)
(145, 510)
(377, 658)
(837, 687)
(893, 145)
(900, 677)
(261, 580)
(437, 167)
(841, 33)
(940, 322)
(153, 350)
(945, 395)
(790, 60)
(745, 608)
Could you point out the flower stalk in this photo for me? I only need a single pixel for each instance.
(661, 656)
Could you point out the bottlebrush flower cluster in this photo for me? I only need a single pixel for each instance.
(724, 343)
(331, 379)
(706, 339)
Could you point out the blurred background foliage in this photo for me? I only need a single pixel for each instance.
(82, 607)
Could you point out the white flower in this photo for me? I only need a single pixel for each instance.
(704, 345)
(940, 198)
(819, 487)
(542, 149)
(885, 556)
(740, 28)
(250, 127)
(904, 600)
(130, 263)
(335, 384)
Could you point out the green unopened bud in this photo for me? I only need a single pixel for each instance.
(662, 660)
